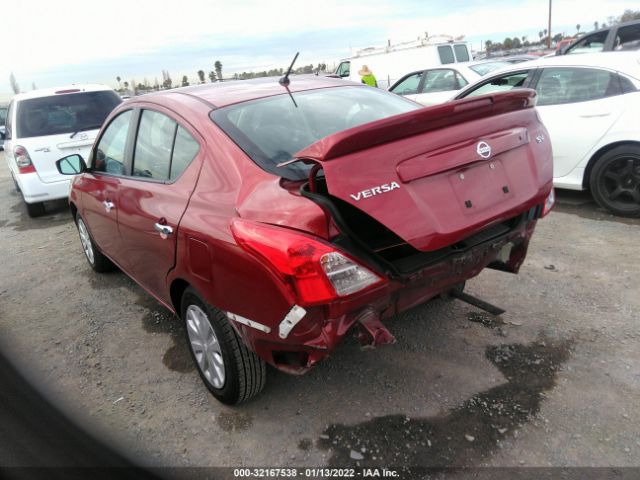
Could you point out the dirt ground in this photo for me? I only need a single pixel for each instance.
(555, 381)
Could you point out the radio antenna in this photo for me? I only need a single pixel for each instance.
(284, 81)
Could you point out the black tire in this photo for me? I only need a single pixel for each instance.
(17, 187)
(615, 181)
(97, 260)
(244, 372)
(35, 209)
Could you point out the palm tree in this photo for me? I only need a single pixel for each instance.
(577, 28)
(540, 35)
(212, 76)
(201, 75)
(218, 67)
(118, 79)
(595, 25)
(185, 81)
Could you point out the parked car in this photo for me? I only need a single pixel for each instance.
(269, 255)
(623, 36)
(590, 104)
(390, 62)
(436, 85)
(3, 119)
(45, 125)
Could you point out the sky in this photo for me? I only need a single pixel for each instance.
(51, 43)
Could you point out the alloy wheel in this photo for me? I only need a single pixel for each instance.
(85, 239)
(205, 346)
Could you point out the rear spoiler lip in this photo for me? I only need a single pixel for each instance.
(415, 122)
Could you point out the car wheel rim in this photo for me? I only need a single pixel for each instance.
(621, 182)
(86, 241)
(205, 346)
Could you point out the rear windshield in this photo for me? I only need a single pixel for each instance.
(64, 113)
(272, 129)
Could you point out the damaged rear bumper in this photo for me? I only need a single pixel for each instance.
(315, 332)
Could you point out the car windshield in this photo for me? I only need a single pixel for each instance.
(488, 67)
(271, 130)
(64, 113)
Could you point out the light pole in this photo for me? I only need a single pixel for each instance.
(549, 29)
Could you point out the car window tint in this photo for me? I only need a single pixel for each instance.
(110, 151)
(628, 38)
(446, 54)
(462, 82)
(442, 80)
(64, 113)
(408, 86)
(185, 149)
(462, 53)
(589, 44)
(502, 83)
(154, 143)
(571, 85)
(343, 69)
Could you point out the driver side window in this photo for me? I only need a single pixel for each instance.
(110, 152)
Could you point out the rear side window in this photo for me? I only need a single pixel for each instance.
(443, 80)
(154, 145)
(571, 85)
(446, 54)
(3, 115)
(462, 53)
(184, 150)
(409, 85)
(64, 113)
(111, 149)
(626, 85)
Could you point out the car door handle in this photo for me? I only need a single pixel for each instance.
(108, 206)
(163, 229)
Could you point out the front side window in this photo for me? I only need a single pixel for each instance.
(570, 85)
(271, 130)
(409, 85)
(446, 54)
(462, 53)
(64, 113)
(343, 69)
(589, 44)
(110, 152)
(503, 83)
(154, 144)
(442, 80)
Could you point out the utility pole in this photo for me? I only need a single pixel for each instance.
(549, 29)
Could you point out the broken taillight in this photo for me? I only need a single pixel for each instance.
(23, 160)
(317, 272)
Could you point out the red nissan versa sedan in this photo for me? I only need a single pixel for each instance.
(272, 220)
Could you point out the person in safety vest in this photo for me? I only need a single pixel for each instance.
(367, 76)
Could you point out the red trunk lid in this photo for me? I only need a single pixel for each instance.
(436, 175)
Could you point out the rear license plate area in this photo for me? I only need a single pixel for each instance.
(481, 186)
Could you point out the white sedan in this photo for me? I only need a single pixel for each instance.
(436, 85)
(590, 105)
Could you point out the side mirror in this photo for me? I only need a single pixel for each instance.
(71, 165)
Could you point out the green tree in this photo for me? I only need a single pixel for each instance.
(488, 45)
(185, 81)
(166, 79)
(557, 37)
(118, 79)
(14, 83)
(508, 43)
(201, 75)
(577, 28)
(218, 67)
(629, 15)
(595, 25)
(540, 34)
(126, 85)
(212, 76)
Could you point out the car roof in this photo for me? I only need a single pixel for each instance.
(222, 94)
(625, 62)
(65, 89)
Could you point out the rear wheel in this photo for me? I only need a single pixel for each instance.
(231, 372)
(96, 259)
(35, 209)
(615, 181)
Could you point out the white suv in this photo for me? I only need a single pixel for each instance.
(45, 125)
